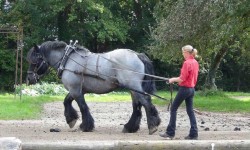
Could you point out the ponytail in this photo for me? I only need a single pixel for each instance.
(190, 49)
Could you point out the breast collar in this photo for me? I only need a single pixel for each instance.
(68, 50)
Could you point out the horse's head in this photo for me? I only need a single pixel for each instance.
(37, 65)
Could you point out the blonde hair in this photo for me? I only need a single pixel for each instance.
(190, 49)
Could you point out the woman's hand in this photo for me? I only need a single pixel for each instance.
(171, 80)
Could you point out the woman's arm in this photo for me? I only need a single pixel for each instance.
(175, 79)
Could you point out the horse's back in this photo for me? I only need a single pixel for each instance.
(138, 65)
(126, 59)
(129, 68)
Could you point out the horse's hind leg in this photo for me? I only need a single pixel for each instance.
(69, 112)
(153, 118)
(133, 124)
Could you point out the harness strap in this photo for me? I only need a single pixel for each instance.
(86, 74)
(43, 62)
(97, 65)
(145, 93)
(68, 50)
(133, 71)
(171, 98)
(30, 72)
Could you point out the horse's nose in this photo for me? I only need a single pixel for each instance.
(30, 80)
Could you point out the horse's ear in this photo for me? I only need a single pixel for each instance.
(36, 48)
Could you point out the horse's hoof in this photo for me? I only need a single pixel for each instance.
(87, 128)
(72, 123)
(124, 130)
(152, 130)
(84, 130)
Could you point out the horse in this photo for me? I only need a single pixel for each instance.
(82, 71)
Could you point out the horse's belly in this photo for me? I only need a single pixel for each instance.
(98, 88)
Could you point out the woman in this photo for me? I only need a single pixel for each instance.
(187, 81)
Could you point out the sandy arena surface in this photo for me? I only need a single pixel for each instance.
(109, 121)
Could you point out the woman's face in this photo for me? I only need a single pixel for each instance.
(185, 54)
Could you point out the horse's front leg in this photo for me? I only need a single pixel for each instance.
(69, 112)
(87, 124)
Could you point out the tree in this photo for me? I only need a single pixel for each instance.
(100, 28)
(139, 14)
(213, 27)
(98, 25)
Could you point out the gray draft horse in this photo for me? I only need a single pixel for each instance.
(87, 72)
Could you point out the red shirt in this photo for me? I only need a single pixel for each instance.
(189, 72)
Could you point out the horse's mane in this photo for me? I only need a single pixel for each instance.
(55, 45)
(44, 47)
(58, 45)
(82, 48)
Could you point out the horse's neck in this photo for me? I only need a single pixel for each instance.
(54, 58)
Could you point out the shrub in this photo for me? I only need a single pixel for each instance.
(207, 92)
(43, 89)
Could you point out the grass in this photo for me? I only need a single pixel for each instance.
(12, 108)
(111, 97)
(217, 101)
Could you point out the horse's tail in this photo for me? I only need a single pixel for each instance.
(148, 83)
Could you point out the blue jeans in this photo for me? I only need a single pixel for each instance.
(187, 94)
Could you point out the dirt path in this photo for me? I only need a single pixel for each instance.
(109, 121)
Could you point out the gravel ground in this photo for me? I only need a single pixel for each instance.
(109, 121)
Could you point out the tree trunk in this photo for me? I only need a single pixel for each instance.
(210, 79)
(138, 10)
(63, 28)
(238, 81)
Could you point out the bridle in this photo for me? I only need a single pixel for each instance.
(40, 62)
(37, 66)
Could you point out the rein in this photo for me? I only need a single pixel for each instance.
(34, 73)
(171, 88)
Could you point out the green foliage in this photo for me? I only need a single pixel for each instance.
(105, 25)
(213, 27)
(42, 89)
(7, 62)
(98, 25)
(207, 25)
(210, 92)
(51, 77)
